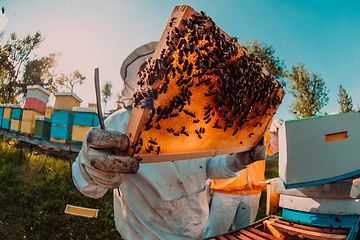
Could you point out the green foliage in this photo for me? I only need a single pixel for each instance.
(309, 91)
(106, 91)
(13, 55)
(266, 53)
(40, 72)
(34, 192)
(69, 81)
(344, 100)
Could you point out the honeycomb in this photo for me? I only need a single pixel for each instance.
(203, 94)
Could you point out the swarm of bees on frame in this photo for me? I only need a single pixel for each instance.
(201, 65)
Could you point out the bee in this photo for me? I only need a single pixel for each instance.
(138, 149)
(190, 68)
(189, 113)
(152, 141)
(148, 127)
(251, 135)
(158, 127)
(172, 21)
(196, 121)
(176, 134)
(174, 114)
(170, 130)
(236, 130)
(158, 150)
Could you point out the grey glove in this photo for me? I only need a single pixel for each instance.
(255, 154)
(105, 159)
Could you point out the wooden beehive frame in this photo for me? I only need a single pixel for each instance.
(139, 115)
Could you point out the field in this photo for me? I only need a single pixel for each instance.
(36, 188)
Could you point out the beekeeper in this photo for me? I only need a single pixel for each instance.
(155, 200)
(235, 201)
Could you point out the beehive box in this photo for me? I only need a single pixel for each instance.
(42, 127)
(1, 110)
(7, 110)
(85, 116)
(319, 150)
(17, 112)
(37, 92)
(6, 123)
(48, 112)
(65, 118)
(276, 228)
(92, 105)
(15, 126)
(29, 115)
(35, 104)
(66, 101)
(61, 133)
(201, 95)
(78, 133)
(27, 127)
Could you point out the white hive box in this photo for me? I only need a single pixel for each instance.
(319, 150)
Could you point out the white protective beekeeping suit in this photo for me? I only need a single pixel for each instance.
(162, 200)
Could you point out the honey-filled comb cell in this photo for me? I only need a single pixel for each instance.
(202, 94)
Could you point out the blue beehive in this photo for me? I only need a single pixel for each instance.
(61, 132)
(65, 118)
(17, 112)
(5, 124)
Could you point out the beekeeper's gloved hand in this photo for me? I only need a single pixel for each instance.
(244, 159)
(274, 135)
(105, 159)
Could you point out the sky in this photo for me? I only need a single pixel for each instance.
(324, 35)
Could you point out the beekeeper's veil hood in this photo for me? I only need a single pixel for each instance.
(130, 68)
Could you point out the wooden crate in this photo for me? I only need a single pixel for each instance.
(179, 137)
(319, 150)
(66, 101)
(78, 132)
(15, 125)
(38, 92)
(36, 104)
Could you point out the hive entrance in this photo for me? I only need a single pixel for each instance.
(201, 95)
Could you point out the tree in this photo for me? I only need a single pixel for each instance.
(266, 53)
(106, 92)
(69, 81)
(309, 91)
(40, 72)
(13, 55)
(344, 100)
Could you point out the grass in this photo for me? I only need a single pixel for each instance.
(34, 192)
(36, 188)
